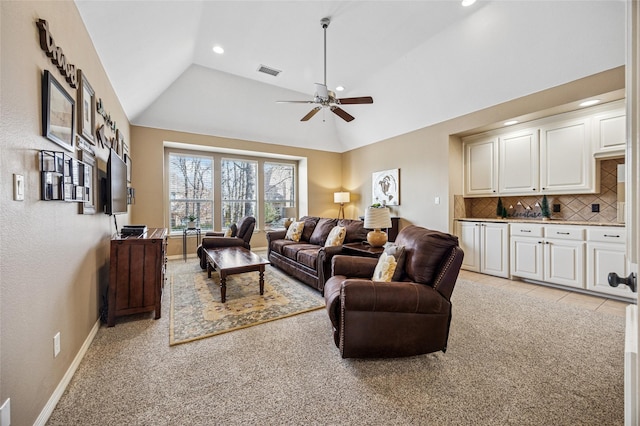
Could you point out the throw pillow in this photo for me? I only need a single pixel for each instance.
(336, 236)
(295, 231)
(385, 268)
(234, 230)
(227, 233)
(398, 253)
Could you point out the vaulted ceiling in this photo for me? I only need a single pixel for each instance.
(423, 62)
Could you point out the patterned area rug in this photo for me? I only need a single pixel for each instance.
(196, 311)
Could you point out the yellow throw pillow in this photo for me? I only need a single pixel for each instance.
(385, 268)
(336, 236)
(295, 231)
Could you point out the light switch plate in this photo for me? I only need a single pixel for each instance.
(18, 187)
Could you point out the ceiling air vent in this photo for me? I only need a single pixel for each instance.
(267, 70)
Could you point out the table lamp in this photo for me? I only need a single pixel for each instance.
(377, 219)
(341, 198)
(287, 214)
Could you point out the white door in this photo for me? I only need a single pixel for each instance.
(480, 167)
(469, 240)
(526, 257)
(519, 163)
(564, 262)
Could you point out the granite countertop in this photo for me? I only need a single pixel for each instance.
(543, 222)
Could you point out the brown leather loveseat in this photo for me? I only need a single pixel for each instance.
(390, 319)
(309, 260)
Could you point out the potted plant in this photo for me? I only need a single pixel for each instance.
(191, 221)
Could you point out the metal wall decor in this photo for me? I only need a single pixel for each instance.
(58, 58)
(386, 187)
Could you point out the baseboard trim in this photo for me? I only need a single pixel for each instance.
(57, 393)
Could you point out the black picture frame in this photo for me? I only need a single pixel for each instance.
(58, 113)
(86, 109)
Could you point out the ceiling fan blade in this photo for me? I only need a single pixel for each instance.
(360, 100)
(295, 102)
(311, 114)
(342, 114)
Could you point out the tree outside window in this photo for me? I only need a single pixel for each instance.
(279, 192)
(190, 190)
(238, 190)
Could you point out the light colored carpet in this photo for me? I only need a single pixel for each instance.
(197, 313)
(512, 360)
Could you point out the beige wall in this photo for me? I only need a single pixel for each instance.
(430, 159)
(53, 261)
(323, 170)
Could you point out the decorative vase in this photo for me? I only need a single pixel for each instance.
(191, 224)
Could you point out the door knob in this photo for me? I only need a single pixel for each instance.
(615, 280)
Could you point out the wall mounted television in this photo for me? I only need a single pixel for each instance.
(115, 201)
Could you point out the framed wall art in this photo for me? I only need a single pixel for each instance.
(386, 187)
(58, 112)
(127, 161)
(86, 109)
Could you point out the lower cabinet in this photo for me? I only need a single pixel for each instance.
(606, 252)
(485, 246)
(548, 253)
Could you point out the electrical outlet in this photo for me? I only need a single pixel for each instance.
(5, 413)
(556, 208)
(436, 200)
(56, 344)
(595, 208)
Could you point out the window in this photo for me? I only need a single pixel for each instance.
(279, 192)
(239, 182)
(190, 190)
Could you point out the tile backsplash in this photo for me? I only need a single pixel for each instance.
(576, 207)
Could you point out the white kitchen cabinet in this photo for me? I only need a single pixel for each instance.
(485, 246)
(519, 163)
(609, 132)
(606, 252)
(548, 253)
(567, 165)
(480, 166)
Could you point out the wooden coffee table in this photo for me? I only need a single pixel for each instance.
(234, 260)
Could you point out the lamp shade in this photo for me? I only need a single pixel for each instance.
(377, 218)
(341, 197)
(288, 212)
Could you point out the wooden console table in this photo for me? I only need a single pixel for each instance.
(136, 274)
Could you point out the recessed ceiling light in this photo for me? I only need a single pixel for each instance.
(219, 50)
(510, 122)
(466, 3)
(590, 102)
(339, 89)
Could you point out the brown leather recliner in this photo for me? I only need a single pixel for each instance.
(391, 319)
(242, 238)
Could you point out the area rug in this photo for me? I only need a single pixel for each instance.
(196, 311)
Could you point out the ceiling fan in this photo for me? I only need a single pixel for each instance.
(325, 98)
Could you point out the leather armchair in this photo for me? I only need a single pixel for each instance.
(393, 319)
(242, 238)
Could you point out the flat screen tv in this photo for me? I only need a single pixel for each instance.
(116, 191)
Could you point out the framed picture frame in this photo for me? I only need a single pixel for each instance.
(58, 112)
(386, 187)
(127, 161)
(88, 206)
(86, 109)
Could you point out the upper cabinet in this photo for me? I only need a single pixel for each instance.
(553, 155)
(519, 159)
(610, 132)
(567, 165)
(481, 166)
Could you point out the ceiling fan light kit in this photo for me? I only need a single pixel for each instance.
(325, 98)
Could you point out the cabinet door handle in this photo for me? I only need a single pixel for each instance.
(563, 233)
(525, 230)
(612, 236)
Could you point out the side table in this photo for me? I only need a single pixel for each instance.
(362, 249)
(188, 231)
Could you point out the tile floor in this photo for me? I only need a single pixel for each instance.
(595, 303)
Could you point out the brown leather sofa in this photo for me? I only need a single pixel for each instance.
(392, 319)
(308, 260)
(242, 238)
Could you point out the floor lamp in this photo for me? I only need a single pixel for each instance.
(341, 198)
